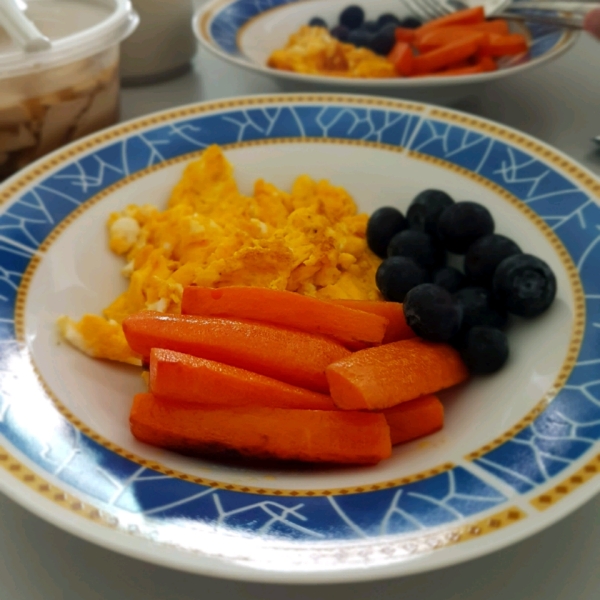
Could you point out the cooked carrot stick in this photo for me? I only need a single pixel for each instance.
(397, 328)
(469, 16)
(403, 34)
(402, 57)
(382, 377)
(470, 70)
(444, 56)
(264, 433)
(181, 377)
(415, 419)
(437, 38)
(497, 26)
(505, 45)
(287, 309)
(487, 64)
(296, 357)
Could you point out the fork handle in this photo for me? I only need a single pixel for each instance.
(567, 23)
(574, 7)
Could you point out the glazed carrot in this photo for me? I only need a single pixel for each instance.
(487, 64)
(444, 56)
(264, 433)
(504, 45)
(468, 16)
(397, 328)
(497, 26)
(382, 377)
(470, 70)
(404, 34)
(181, 377)
(415, 419)
(447, 35)
(287, 309)
(402, 57)
(296, 357)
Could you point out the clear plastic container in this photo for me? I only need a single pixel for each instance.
(53, 97)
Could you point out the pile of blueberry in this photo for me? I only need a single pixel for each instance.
(468, 308)
(377, 35)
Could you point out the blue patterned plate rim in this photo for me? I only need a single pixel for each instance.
(219, 24)
(453, 514)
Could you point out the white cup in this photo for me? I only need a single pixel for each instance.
(163, 45)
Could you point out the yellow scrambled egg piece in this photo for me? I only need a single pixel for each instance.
(310, 241)
(313, 51)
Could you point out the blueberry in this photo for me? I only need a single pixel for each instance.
(525, 285)
(479, 309)
(411, 23)
(360, 38)
(419, 246)
(450, 279)
(425, 210)
(398, 275)
(462, 224)
(318, 22)
(352, 17)
(339, 32)
(383, 225)
(485, 350)
(388, 19)
(384, 40)
(432, 313)
(370, 26)
(484, 255)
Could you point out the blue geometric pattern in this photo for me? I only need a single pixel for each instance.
(228, 20)
(562, 434)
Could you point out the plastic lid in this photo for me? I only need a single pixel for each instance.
(77, 29)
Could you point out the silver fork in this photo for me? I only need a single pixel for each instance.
(432, 9)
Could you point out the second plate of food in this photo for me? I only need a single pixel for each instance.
(274, 38)
(275, 192)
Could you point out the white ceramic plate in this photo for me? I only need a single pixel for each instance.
(519, 450)
(246, 32)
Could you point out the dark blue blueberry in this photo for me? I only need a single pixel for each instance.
(432, 313)
(396, 276)
(450, 279)
(484, 255)
(485, 350)
(383, 225)
(462, 224)
(318, 22)
(370, 26)
(425, 210)
(480, 309)
(419, 246)
(339, 32)
(524, 285)
(384, 40)
(360, 38)
(352, 17)
(388, 19)
(411, 23)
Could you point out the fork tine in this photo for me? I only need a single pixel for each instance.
(415, 8)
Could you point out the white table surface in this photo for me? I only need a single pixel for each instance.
(558, 104)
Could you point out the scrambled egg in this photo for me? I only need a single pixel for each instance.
(310, 241)
(313, 51)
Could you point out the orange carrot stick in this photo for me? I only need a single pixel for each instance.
(296, 357)
(397, 328)
(382, 377)
(505, 45)
(403, 34)
(415, 419)
(402, 57)
(497, 26)
(444, 56)
(181, 377)
(468, 16)
(263, 433)
(287, 309)
(437, 38)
